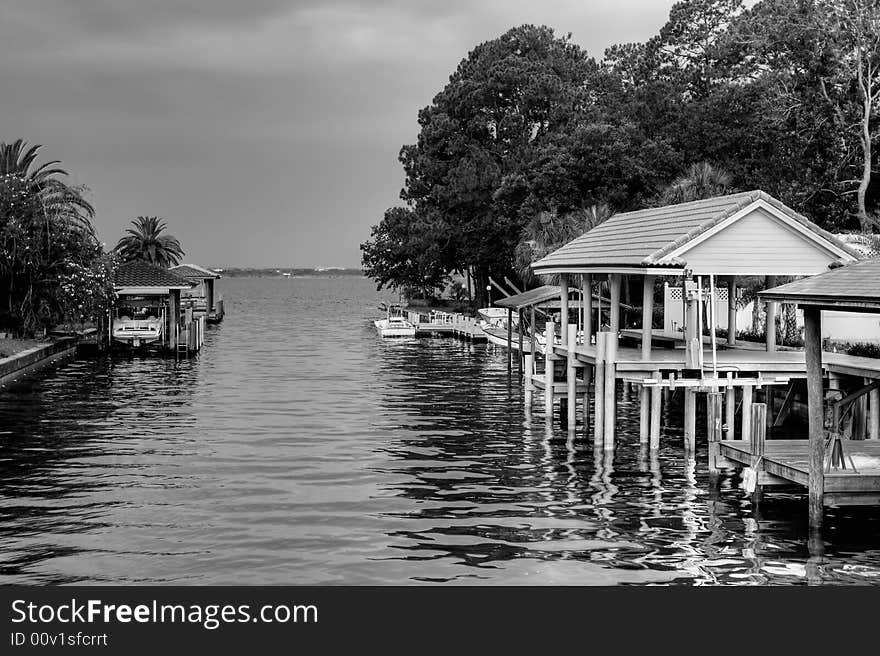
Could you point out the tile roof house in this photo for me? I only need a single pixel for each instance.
(143, 277)
(749, 233)
(194, 272)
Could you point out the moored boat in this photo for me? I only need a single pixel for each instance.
(394, 324)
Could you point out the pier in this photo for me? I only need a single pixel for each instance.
(747, 388)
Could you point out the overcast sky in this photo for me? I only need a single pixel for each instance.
(265, 132)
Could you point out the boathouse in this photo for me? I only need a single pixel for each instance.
(147, 309)
(703, 245)
(836, 470)
(202, 297)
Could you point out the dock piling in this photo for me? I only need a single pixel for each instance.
(571, 376)
(549, 358)
(610, 390)
(730, 408)
(655, 414)
(599, 391)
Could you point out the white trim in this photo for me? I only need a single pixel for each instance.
(147, 291)
(652, 271)
(773, 211)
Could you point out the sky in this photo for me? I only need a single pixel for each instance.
(265, 132)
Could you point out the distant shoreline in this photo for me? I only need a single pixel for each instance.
(272, 272)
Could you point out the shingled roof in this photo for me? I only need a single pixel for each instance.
(647, 238)
(855, 286)
(144, 274)
(193, 272)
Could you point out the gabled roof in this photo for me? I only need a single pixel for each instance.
(143, 274)
(855, 286)
(194, 272)
(651, 237)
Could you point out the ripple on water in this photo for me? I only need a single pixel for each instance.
(300, 448)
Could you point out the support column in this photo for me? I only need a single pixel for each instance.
(533, 327)
(509, 340)
(730, 407)
(610, 409)
(746, 429)
(614, 320)
(655, 413)
(815, 411)
(771, 318)
(874, 414)
(587, 289)
(647, 316)
(599, 391)
(548, 371)
(644, 413)
(527, 381)
(713, 410)
(731, 310)
(571, 377)
(563, 314)
(690, 418)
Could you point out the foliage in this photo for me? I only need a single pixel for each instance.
(147, 242)
(45, 235)
(701, 181)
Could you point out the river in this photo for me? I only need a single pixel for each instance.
(300, 448)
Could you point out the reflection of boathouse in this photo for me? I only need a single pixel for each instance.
(148, 312)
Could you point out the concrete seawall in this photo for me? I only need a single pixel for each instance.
(32, 360)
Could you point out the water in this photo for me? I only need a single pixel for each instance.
(298, 447)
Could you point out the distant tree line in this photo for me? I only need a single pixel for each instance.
(533, 141)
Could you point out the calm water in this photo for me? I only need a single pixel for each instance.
(298, 447)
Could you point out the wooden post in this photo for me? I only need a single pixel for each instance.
(588, 374)
(610, 390)
(509, 340)
(815, 411)
(730, 407)
(533, 327)
(614, 319)
(713, 411)
(647, 316)
(521, 350)
(759, 430)
(587, 289)
(571, 376)
(655, 413)
(563, 306)
(874, 414)
(599, 390)
(693, 338)
(746, 429)
(549, 361)
(771, 318)
(527, 380)
(644, 414)
(690, 418)
(731, 311)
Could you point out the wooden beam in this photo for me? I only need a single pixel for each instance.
(731, 310)
(815, 411)
(785, 410)
(587, 289)
(771, 317)
(563, 312)
(647, 316)
(614, 320)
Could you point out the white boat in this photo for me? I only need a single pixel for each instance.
(138, 332)
(394, 324)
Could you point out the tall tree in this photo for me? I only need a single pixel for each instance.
(148, 242)
(701, 181)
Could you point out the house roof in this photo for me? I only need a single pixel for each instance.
(194, 272)
(648, 238)
(853, 287)
(546, 297)
(143, 274)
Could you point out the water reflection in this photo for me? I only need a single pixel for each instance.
(299, 448)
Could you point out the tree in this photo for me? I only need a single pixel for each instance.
(468, 170)
(702, 180)
(404, 252)
(550, 231)
(45, 234)
(855, 24)
(147, 242)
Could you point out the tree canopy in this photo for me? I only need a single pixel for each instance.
(780, 96)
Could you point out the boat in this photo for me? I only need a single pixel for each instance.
(394, 324)
(138, 331)
(493, 322)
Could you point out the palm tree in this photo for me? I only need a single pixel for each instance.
(702, 180)
(549, 231)
(147, 243)
(60, 202)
